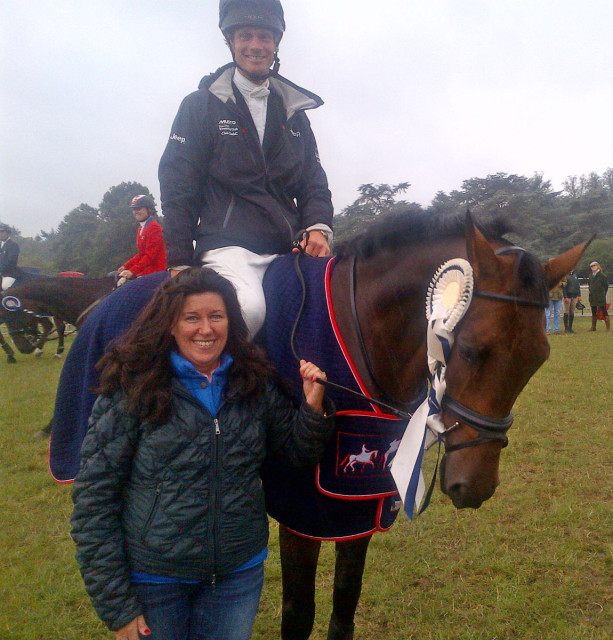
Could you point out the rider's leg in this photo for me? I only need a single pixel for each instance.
(298, 567)
(350, 561)
(245, 270)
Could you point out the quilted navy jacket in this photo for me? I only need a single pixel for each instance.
(183, 499)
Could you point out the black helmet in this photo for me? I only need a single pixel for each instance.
(5, 228)
(266, 14)
(144, 201)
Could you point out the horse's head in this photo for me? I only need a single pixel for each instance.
(498, 346)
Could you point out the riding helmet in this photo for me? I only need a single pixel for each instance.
(266, 14)
(142, 201)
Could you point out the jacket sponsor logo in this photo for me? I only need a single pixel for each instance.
(180, 139)
(296, 134)
(228, 127)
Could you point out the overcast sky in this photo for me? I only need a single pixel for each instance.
(432, 92)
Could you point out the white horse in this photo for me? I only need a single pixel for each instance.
(365, 458)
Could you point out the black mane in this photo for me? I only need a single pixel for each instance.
(404, 228)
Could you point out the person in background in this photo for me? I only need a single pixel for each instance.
(169, 516)
(555, 304)
(240, 177)
(572, 295)
(598, 287)
(9, 256)
(151, 256)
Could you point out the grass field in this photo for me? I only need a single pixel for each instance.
(534, 563)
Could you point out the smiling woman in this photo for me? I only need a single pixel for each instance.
(169, 519)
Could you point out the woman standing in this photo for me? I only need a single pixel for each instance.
(598, 287)
(169, 519)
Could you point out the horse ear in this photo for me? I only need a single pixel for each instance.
(480, 254)
(557, 268)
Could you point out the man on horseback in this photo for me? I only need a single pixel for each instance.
(9, 255)
(151, 256)
(240, 177)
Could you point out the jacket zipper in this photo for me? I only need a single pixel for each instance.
(158, 491)
(215, 498)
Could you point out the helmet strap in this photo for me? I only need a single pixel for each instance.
(276, 65)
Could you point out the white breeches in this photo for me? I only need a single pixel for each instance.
(245, 270)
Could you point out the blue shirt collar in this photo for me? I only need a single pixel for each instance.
(185, 369)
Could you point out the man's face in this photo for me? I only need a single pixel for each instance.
(254, 50)
(3, 235)
(140, 213)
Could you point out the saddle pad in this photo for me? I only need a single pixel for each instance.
(75, 398)
(356, 462)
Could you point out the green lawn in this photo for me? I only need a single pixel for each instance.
(534, 563)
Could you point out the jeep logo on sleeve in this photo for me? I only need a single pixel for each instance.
(228, 127)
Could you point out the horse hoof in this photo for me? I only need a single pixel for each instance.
(58, 356)
(38, 352)
(11, 360)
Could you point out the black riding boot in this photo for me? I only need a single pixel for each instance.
(566, 323)
(571, 317)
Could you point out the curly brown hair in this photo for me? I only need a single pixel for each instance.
(138, 363)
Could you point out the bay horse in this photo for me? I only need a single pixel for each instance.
(374, 291)
(51, 302)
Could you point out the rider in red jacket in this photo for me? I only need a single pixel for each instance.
(151, 256)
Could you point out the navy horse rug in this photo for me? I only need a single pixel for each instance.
(351, 492)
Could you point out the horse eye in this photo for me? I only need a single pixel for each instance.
(471, 355)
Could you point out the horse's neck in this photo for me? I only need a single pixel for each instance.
(390, 292)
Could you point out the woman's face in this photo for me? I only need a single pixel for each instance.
(201, 331)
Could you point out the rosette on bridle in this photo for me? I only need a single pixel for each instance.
(449, 295)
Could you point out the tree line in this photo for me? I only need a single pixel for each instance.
(95, 241)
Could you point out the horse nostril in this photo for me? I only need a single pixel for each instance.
(461, 498)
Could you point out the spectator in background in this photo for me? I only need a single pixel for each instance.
(151, 256)
(9, 255)
(555, 304)
(598, 285)
(572, 294)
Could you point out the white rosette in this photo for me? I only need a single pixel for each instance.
(449, 293)
(11, 303)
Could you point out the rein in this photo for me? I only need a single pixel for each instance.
(489, 429)
(327, 383)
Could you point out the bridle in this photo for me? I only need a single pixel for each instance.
(489, 429)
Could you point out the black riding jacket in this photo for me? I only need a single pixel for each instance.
(9, 255)
(220, 187)
(183, 499)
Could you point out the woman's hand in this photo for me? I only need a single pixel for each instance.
(313, 391)
(133, 630)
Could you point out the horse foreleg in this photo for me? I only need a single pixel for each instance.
(60, 327)
(299, 558)
(6, 347)
(348, 572)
